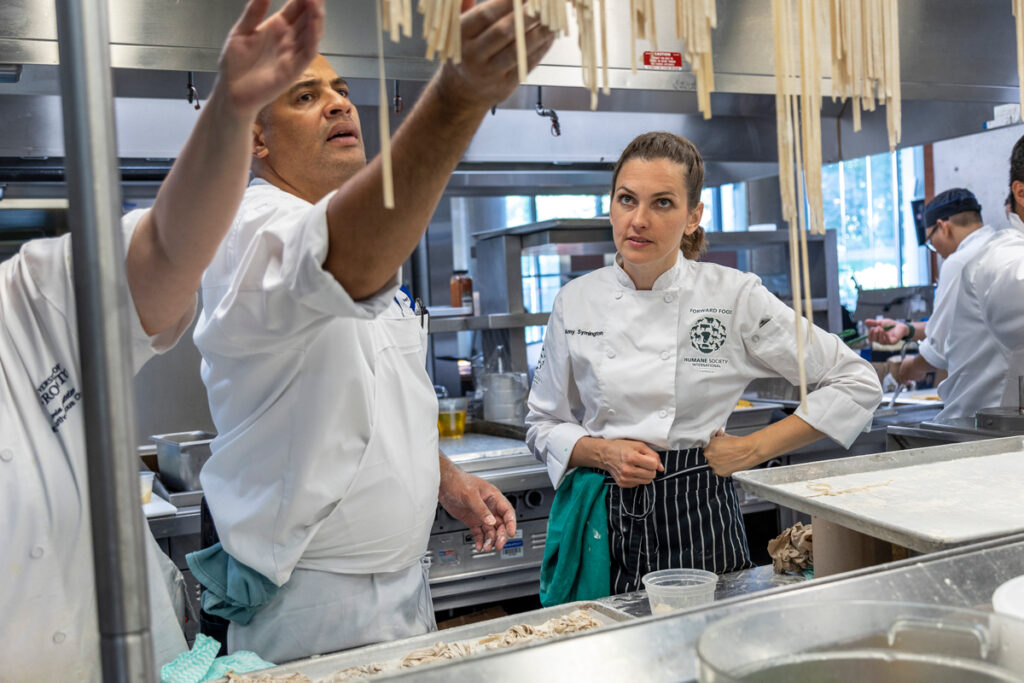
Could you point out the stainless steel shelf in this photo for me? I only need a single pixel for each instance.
(495, 321)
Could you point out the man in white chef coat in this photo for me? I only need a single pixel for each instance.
(47, 595)
(992, 294)
(956, 231)
(325, 473)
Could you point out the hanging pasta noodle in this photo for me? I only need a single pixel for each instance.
(694, 21)
(866, 59)
(641, 25)
(1018, 15)
(520, 23)
(586, 24)
(387, 181)
(442, 28)
(798, 128)
(553, 14)
(397, 15)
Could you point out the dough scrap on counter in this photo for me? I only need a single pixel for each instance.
(435, 654)
(266, 678)
(573, 622)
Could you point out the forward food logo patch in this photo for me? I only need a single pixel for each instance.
(708, 334)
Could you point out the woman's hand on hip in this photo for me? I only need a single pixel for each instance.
(631, 463)
(729, 454)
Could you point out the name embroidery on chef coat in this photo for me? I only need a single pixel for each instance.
(584, 333)
(707, 336)
(58, 396)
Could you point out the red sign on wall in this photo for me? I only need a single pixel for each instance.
(672, 61)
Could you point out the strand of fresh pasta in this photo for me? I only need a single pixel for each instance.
(441, 28)
(694, 21)
(641, 25)
(810, 110)
(810, 115)
(397, 16)
(520, 24)
(387, 181)
(554, 15)
(866, 59)
(1018, 14)
(586, 27)
(790, 166)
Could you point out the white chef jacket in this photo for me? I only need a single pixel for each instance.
(993, 292)
(47, 593)
(666, 366)
(958, 339)
(326, 456)
(933, 348)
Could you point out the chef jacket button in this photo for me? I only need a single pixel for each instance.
(668, 298)
(611, 411)
(618, 295)
(611, 354)
(6, 455)
(755, 338)
(663, 413)
(58, 637)
(36, 552)
(665, 355)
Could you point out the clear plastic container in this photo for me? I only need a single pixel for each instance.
(451, 417)
(862, 640)
(670, 589)
(146, 486)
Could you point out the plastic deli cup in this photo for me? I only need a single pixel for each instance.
(670, 589)
(146, 486)
(451, 417)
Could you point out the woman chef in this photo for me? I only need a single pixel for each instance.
(644, 360)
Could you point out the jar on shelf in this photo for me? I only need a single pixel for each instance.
(460, 288)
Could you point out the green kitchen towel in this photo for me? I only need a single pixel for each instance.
(234, 591)
(203, 664)
(577, 562)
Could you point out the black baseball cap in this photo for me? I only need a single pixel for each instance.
(950, 203)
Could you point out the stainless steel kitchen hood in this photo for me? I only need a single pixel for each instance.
(958, 59)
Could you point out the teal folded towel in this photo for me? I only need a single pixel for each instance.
(203, 664)
(234, 591)
(577, 562)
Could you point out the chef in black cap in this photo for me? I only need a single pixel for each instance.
(954, 229)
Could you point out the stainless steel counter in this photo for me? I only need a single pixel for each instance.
(663, 648)
(505, 462)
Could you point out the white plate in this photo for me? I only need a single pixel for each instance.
(158, 507)
(1009, 598)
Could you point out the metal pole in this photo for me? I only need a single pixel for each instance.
(103, 308)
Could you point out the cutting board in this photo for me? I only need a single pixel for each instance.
(925, 499)
(158, 507)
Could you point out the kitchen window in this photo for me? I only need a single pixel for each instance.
(867, 203)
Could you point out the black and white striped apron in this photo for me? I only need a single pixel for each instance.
(688, 517)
